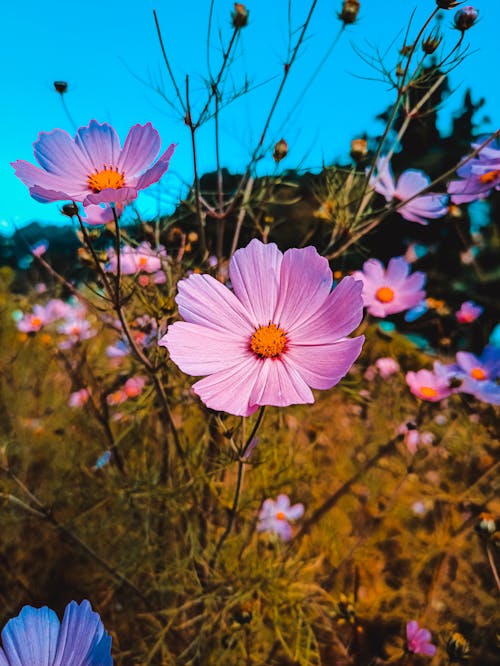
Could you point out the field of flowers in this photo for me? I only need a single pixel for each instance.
(263, 429)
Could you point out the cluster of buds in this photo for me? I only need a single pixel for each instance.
(349, 12)
(239, 16)
(465, 18)
(280, 150)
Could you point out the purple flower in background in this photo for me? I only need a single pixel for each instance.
(92, 168)
(479, 374)
(411, 182)
(391, 290)
(468, 312)
(418, 640)
(36, 637)
(479, 176)
(279, 333)
(431, 385)
(274, 516)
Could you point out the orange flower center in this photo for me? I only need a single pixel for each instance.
(108, 177)
(489, 177)
(36, 321)
(142, 261)
(428, 392)
(478, 373)
(268, 341)
(384, 294)
(280, 516)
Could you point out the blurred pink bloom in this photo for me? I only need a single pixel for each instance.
(430, 385)
(274, 516)
(279, 333)
(468, 312)
(410, 183)
(40, 287)
(413, 438)
(40, 248)
(79, 398)
(142, 259)
(391, 290)
(92, 168)
(480, 175)
(33, 322)
(133, 386)
(387, 366)
(418, 640)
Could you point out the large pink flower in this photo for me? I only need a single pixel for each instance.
(92, 168)
(279, 333)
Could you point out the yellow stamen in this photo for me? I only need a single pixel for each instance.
(478, 373)
(108, 177)
(489, 177)
(280, 516)
(268, 341)
(384, 294)
(428, 392)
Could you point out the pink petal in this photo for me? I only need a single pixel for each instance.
(100, 144)
(341, 314)
(203, 300)
(279, 384)
(411, 629)
(111, 195)
(230, 390)
(413, 282)
(255, 272)
(305, 282)
(199, 350)
(140, 149)
(411, 182)
(295, 512)
(323, 366)
(397, 270)
(156, 172)
(282, 503)
(58, 153)
(34, 176)
(383, 182)
(373, 271)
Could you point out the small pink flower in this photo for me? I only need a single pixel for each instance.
(142, 259)
(469, 312)
(432, 386)
(79, 398)
(391, 290)
(387, 366)
(33, 322)
(133, 386)
(274, 516)
(418, 640)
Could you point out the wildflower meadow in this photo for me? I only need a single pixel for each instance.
(262, 426)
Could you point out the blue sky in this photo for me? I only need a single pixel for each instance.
(103, 47)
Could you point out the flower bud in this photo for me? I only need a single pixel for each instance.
(447, 4)
(486, 524)
(239, 16)
(359, 149)
(280, 150)
(61, 87)
(430, 44)
(349, 11)
(465, 18)
(457, 647)
(70, 209)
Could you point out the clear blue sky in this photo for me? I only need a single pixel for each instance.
(96, 44)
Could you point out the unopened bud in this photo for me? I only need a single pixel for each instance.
(239, 16)
(280, 150)
(349, 12)
(457, 647)
(447, 4)
(359, 149)
(71, 210)
(430, 44)
(465, 18)
(61, 87)
(486, 524)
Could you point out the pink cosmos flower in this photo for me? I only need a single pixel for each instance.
(392, 290)
(410, 183)
(387, 366)
(79, 398)
(430, 385)
(279, 333)
(480, 175)
(133, 386)
(418, 640)
(142, 259)
(274, 516)
(468, 312)
(33, 322)
(92, 168)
